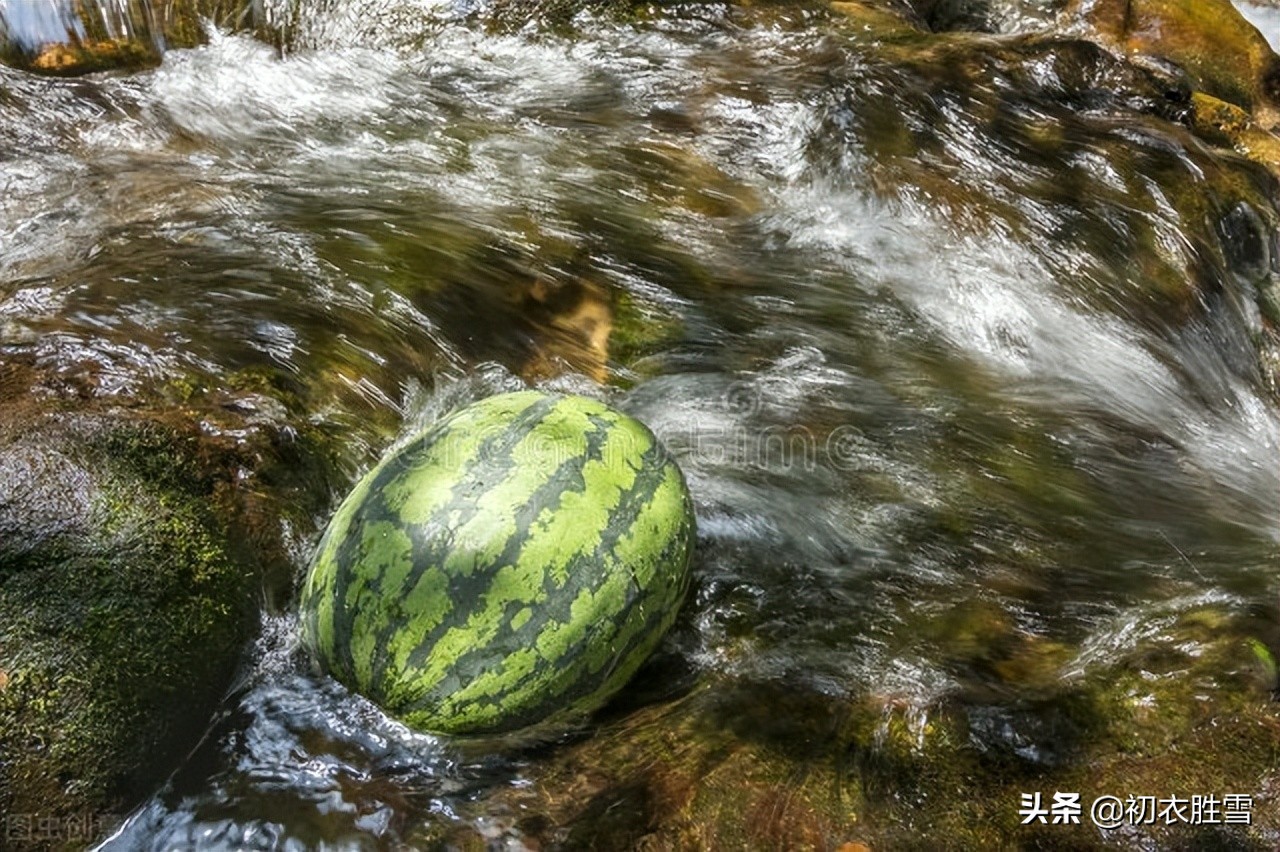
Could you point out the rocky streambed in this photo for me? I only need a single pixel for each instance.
(959, 317)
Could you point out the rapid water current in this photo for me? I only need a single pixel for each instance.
(956, 340)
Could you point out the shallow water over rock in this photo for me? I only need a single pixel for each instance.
(964, 343)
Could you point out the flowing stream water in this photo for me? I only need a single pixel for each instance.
(957, 344)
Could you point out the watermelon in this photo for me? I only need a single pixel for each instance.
(511, 565)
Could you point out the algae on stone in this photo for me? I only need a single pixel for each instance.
(124, 609)
(1225, 55)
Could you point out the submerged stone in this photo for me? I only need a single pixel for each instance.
(769, 765)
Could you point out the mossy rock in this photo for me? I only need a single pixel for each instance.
(123, 610)
(1223, 53)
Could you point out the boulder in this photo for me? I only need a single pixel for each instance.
(125, 604)
(1210, 40)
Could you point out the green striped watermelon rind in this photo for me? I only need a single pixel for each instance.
(514, 564)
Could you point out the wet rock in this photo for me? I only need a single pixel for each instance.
(75, 37)
(124, 611)
(887, 18)
(1231, 66)
(572, 321)
(1225, 55)
(1218, 73)
(880, 20)
(1091, 150)
(694, 774)
(71, 37)
(677, 176)
(642, 328)
(1180, 706)
(552, 307)
(990, 16)
(133, 562)
(1231, 126)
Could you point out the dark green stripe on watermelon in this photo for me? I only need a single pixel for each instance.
(352, 560)
(431, 551)
(432, 545)
(557, 611)
(476, 583)
(622, 641)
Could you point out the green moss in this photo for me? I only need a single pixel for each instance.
(123, 620)
(1225, 55)
(641, 328)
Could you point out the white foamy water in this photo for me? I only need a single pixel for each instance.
(997, 302)
(1266, 18)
